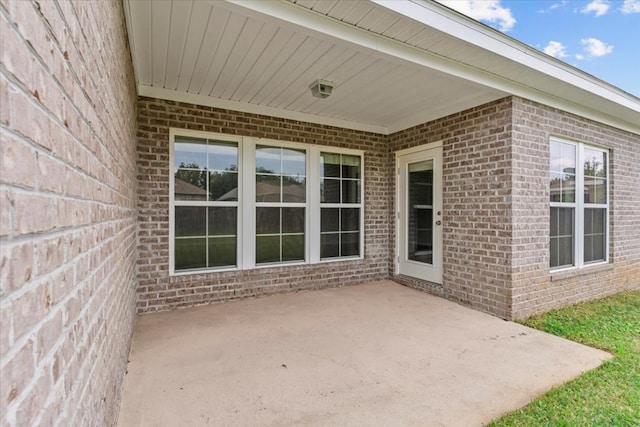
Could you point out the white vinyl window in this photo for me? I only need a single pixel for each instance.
(242, 203)
(579, 205)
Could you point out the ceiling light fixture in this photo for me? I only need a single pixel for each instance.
(321, 88)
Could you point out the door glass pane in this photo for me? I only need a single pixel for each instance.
(420, 212)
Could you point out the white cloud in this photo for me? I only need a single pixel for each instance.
(599, 7)
(631, 6)
(555, 49)
(484, 10)
(595, 47)
(579, 56)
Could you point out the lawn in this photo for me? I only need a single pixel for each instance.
(607, 396)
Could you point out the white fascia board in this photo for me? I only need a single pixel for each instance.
(192, 98)
(340, 32)
(132, 49)
(459, 26)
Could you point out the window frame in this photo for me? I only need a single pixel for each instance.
(579, 206)
(246, 204)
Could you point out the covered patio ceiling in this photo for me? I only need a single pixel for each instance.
(394, 64)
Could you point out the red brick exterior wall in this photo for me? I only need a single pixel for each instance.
(67, 212)
(159, 291)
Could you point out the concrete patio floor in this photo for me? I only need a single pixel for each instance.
(376, 354)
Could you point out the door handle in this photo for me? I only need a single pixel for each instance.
(438, 222)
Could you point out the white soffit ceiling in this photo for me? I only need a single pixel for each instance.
(261, 56)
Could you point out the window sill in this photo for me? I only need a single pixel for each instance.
(557, 276)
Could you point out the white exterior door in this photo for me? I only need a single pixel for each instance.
(419, 213)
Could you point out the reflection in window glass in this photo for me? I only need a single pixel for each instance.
(594, 235)
(340, 213)
(205, 170)
(280, 175)
(561, 237)
(280, 234)
(562, 172)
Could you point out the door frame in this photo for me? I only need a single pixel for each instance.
(428, 272)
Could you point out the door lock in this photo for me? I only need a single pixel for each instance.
(438, 222)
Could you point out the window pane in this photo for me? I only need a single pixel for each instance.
(293, 248)
(565, 221)
(329, 219)
(223, 221)
(293, 189)
(350, 166)
(565, 251)
(562, 172)
(594, 163)
(190, 253)
(223, 186)
(190, 221)
(222, 155)
(268, 159)
(594, 234)
(222, 251)
(293, 162)
(350, 244)
(330, 191)
(190, 153)
(267, 220)
(555, 185)
(268, 188)
(350, 220)
(553, 258)
(330, 245)
(350, 191)
(190, 185)
(568, 188)
(267, 249)
(561, 237)
(293, 220)
(595, 190)
(330, 165)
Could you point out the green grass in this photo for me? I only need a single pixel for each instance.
(607, 396)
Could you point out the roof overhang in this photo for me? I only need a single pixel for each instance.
(395, 64)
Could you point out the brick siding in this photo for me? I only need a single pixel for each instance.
(158, 290)
(496, 208)
(67, 212)
(535, 290)
(476, 196)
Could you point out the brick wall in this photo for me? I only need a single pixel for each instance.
(158, 291)
(535, 290)
(476, 217)
(67, 211)
(495, 208)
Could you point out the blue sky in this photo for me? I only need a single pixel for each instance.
(601, 37)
